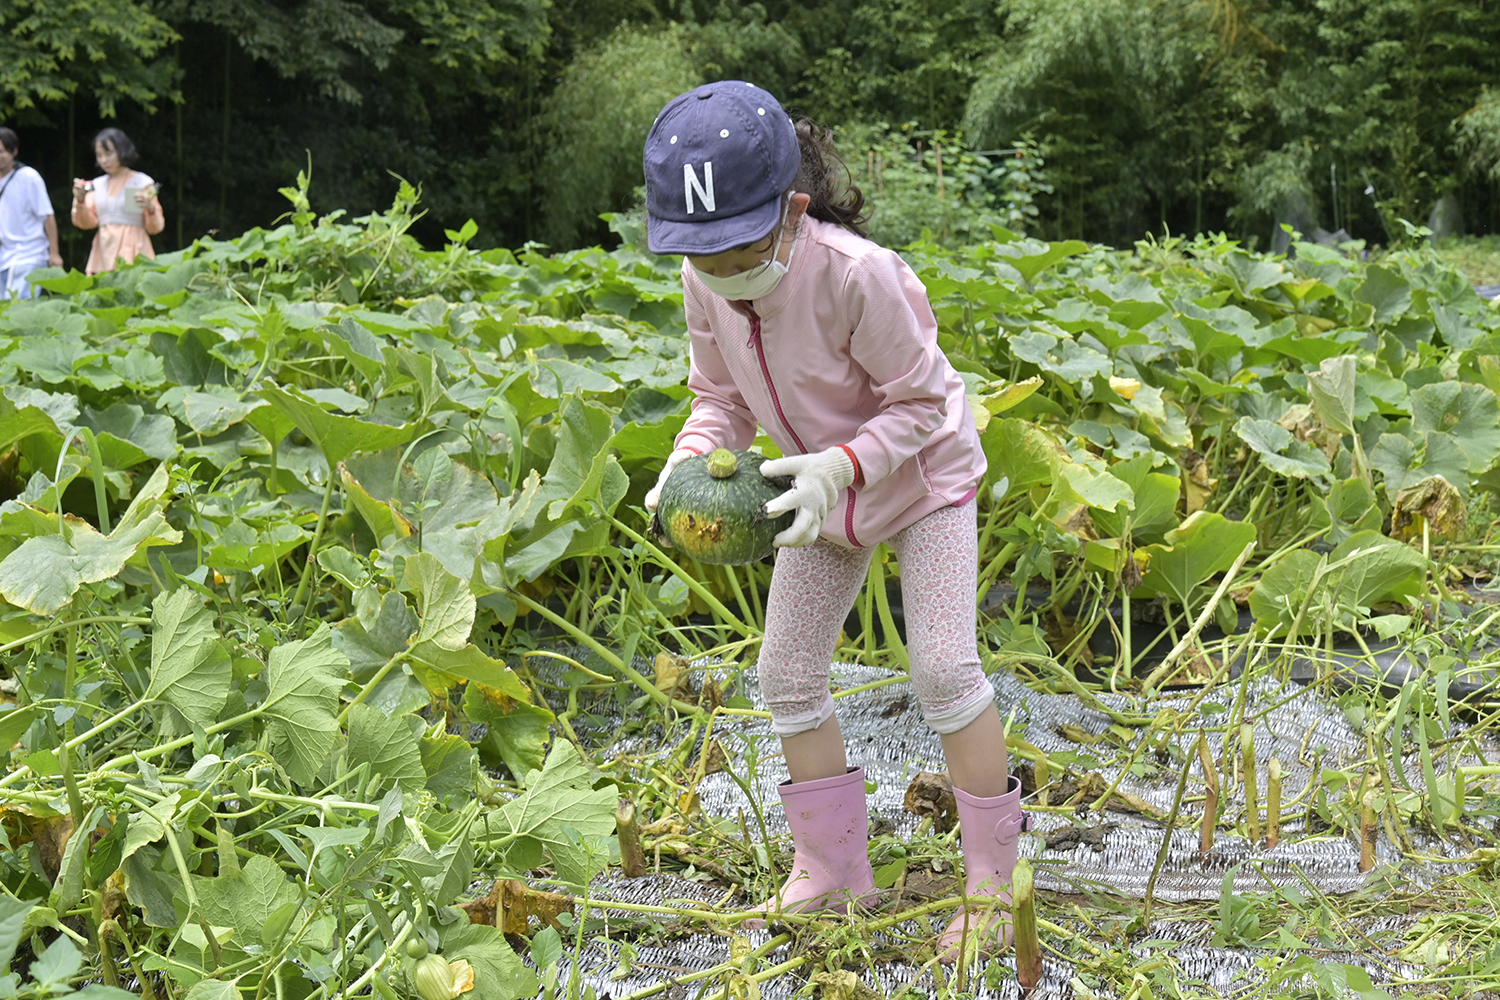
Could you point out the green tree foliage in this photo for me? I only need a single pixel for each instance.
(1193, 109)
(596, 122)
(1479, 131)
(51, 50)
(1188, 115)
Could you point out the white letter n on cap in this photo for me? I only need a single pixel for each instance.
(705, 190)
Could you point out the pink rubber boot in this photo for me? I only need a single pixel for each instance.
(831, 833)
(990, 832)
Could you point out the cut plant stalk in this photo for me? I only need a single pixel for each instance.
(1249, 782)
(1023, 913)
(1211, 796)
(1273, 804)
(1369, 829)
(632, 859)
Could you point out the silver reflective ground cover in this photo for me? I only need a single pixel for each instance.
(885, 734)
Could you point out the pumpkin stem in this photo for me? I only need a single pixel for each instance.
(722, 464)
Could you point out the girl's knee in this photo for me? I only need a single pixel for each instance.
(953, 716)
(789, 718)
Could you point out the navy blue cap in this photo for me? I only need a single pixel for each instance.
(717, 161)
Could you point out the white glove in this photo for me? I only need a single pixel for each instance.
(653, 496)
(817, 481)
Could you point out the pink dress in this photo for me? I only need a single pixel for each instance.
(124, 226)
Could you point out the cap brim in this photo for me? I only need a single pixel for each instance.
(711, 236)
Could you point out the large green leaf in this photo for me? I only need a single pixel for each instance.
(1204, 544)
(1019, 454)
(1279, 449)
(443, 507)
(304, 679)
(1469, 414)
(387, 745)
(45, 571)
(1386, 291)
(1281, 591)
(12, 919)
(190, 669)
(499, 974)
(336, 436)
(1405, 463)
(448, 762)
(471, 664)
(1379, 569)
(1032, 258)
(127, 436)
(1332, 390)
(445, 605)
(559, 806)
(244, 900)
(1099, 490)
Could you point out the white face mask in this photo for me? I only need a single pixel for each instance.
(758, 282)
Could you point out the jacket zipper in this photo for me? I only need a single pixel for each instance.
(765, 371)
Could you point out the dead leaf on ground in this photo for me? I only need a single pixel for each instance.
(1076, 790)
(713, 695)
(931, 794)
(1066, 838)
(922, 883)
(512, 904)
(482, 911)
(674, 676)
(712, 760)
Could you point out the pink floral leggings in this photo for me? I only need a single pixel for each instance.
(813, 589)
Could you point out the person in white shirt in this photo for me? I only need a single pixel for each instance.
(28, 229)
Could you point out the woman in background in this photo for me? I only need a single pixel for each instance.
(122, 204)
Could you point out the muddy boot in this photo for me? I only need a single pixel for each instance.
(831, 833)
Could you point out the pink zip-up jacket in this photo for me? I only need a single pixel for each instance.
(842, 352)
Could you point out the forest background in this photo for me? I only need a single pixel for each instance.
(528, 115)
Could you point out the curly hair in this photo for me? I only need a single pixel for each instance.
(825, 178)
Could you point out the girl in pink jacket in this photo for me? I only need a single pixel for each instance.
(800, 324)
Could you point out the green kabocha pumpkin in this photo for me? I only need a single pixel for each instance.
(713, 508)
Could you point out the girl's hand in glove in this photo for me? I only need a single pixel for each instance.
(817, 481)
(653, 496)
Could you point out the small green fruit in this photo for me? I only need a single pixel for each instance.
(434, 978)
(416, 948)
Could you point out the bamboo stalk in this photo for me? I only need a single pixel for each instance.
(632, 859)
(1252, 796)
(1273, 804)
(1028, 943)
(1211, 795)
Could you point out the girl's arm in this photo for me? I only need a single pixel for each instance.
(895, 340)
(720, 417)
(153, 218)
(84, 216)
